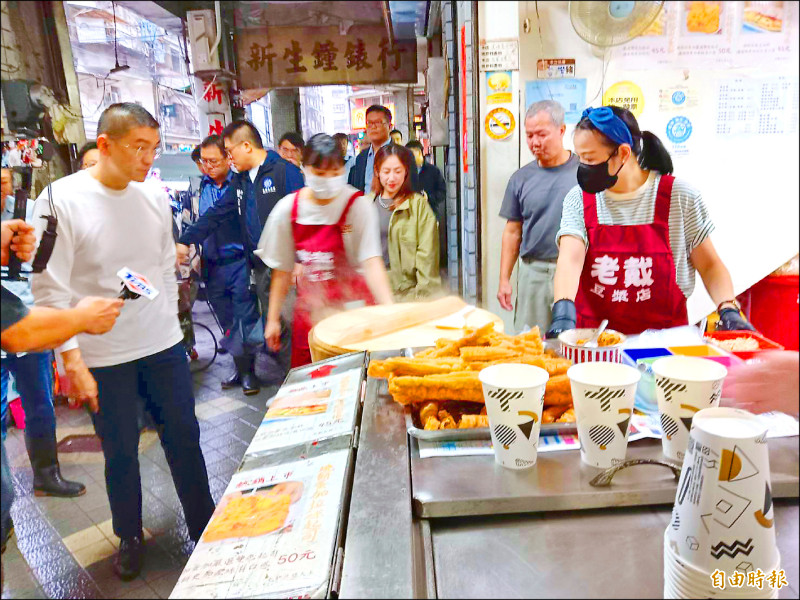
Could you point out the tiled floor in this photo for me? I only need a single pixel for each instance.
(63, 548)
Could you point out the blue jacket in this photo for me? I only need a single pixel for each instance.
(226, 241)
(248, 204)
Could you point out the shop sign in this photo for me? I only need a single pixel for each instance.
(625, 94)
(301, 56)
(500, 123)
(555, 68)
(499, 55)
(358, 116)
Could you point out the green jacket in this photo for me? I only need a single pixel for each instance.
(414, 250)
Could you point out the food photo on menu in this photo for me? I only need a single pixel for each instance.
(252, 513)
(299, 405)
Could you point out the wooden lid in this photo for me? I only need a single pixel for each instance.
(326, 335)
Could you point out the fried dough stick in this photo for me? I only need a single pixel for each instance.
(463, 385)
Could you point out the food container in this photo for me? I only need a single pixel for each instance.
(763, 343)
(578, 354)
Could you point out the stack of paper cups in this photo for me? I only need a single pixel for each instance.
(603, 394)
(723, 518)
(684, 385)
(514, 397)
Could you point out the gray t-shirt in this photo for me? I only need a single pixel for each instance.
(535, 196)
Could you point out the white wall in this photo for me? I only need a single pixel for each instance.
(750, 184)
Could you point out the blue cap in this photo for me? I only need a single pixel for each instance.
(609, 124)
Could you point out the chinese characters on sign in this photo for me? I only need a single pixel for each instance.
(638, 273)
(295, 56)
(499, 55)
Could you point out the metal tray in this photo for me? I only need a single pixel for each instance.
(476, 433)
(551, 347)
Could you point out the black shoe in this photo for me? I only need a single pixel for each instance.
(231, 382)
(47, 479)
(250, 384)
(221, 350)
(130, 558)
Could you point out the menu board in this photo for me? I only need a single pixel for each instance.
(309, 411)
(714, 34)
(762, 105)
(272, 534)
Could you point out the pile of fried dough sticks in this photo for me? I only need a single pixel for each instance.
(449, 371)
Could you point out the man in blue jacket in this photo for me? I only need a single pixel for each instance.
(263, 178)
(225, 262)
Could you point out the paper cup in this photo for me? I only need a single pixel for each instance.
(514, 396)
(698, 584)
(603, 394)
(723, 516)
(684, 385)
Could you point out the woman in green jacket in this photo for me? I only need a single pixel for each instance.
(409, 231)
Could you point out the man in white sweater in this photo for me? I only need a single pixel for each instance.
(107, 220)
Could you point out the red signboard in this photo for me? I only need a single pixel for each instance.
(462, 61)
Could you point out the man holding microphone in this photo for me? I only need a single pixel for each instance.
(107, 221)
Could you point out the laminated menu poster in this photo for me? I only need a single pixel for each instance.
(272, 534)
(309, 411)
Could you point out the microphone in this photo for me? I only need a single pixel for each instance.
(135, 285)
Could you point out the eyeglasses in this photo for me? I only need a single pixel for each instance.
(376, 124)
(228, 150)
(211, 163)
(155, 152)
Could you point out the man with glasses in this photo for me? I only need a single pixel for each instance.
(226, 264)
(378, 121)
(263, 178)
(107, 220)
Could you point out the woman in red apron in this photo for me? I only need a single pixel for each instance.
(327, 228)
(630, 274)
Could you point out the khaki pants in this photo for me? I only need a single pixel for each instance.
(534, 295)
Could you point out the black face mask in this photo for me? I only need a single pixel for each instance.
(596, 178)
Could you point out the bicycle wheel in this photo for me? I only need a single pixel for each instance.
(205, 346)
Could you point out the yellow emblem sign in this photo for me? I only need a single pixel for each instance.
(499, 123)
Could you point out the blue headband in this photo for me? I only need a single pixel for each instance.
(609, 124)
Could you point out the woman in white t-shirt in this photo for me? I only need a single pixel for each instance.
(331, 230)
(632, 235)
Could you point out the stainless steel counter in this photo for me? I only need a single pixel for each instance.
(476, 485)
(399, 545)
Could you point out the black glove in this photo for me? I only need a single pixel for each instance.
(564, 317)
(731, 320)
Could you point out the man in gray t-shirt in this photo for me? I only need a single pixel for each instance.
(532, 205)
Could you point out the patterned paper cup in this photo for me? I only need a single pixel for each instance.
(603, 394)
(688, 582)
(684, 385)
(723, 516)
(514, 396)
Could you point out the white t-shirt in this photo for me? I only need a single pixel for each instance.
(361, 236)
(101, 230)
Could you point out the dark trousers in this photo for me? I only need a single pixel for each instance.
(229, 289)
(164, 382)
(263, 279)
(34, 376)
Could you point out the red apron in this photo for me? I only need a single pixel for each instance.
(328, 280)
(629, 274)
